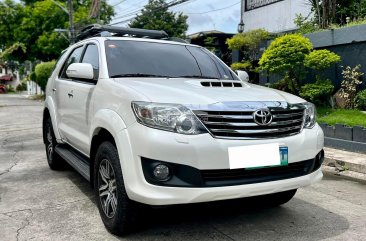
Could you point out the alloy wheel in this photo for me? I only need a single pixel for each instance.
(50, 143)
(107, 188)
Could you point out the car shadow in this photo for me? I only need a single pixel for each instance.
(237, 219)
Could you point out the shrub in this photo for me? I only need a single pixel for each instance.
(32, 76)
(360, 100)
(22, 86)
(247, 66)
(351, 80)
(285, 56)
(10, 89)
(321, 59)
(249, 40)
(248, 43)
(43, 72)
(318, 93)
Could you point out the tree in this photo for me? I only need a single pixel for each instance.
(285, 56)
(320, 60)
(329, 12)
(290, 56)
(157, 16)
(248, 42)
(32, 23)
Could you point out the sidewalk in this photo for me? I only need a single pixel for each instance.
(345, 163)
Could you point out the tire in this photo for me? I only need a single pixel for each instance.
(54, 160)
(118, 212)
(275, 199)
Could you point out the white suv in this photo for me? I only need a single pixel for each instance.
(154, 121)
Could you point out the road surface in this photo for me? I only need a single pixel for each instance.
(37, 203)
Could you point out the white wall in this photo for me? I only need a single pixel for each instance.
(276, 17)
(33, 88)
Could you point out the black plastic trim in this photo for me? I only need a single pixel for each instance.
(187, 176)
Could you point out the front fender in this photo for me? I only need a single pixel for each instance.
(50, 105)
(106, 119)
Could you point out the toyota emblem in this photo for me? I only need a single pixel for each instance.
(262, 117)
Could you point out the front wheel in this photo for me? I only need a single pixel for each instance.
(117, 211)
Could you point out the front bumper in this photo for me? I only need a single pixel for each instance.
(203, 152)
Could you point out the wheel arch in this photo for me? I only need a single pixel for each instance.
(50, 111)
(100, 135)
(105, 126)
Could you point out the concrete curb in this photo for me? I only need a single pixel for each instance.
(349, 175)
(350, 165)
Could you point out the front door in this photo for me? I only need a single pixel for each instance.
(81, 110)
(64, 87)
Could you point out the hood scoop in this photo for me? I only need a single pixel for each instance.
(220, 84)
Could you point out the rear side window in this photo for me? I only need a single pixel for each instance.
(91, 56)
(74, 57)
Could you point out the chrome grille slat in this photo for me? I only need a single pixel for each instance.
(248, 124)
(282, 116)
(239, 117)
(278, 130)
(241, 125)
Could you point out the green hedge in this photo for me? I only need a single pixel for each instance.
(318, 93)
(43, 72)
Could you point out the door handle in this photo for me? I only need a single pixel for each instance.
(70, 94)
(54, 89)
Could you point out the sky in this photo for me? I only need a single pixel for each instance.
(203, 15)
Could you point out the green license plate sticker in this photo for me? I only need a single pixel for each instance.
(284, 155)
(283, 158)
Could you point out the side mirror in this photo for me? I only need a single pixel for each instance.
(243, 75)
(80, 71)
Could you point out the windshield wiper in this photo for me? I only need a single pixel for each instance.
(139, 75)
(198, 77)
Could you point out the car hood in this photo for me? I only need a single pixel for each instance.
(188, 91)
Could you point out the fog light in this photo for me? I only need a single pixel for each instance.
(161, 172)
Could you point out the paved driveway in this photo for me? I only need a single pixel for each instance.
(39, 204)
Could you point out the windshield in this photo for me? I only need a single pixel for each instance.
(149, 59)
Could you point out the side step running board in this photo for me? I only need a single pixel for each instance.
(78, 161)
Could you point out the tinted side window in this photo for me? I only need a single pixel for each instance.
(73, 58)
(91, 56)
(224, 71)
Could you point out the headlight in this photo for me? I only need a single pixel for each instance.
(170, 117)
(310, 115)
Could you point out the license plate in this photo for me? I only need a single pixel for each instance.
(258, 156)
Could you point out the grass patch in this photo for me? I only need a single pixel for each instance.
(340, 116)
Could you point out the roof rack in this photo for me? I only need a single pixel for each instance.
(95, 30)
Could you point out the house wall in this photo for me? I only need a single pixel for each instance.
(347, 42)
(277, 16)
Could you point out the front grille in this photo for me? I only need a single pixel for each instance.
(241, 125)
(248, 176)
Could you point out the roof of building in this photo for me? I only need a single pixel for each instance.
(210, 33)
(6, 77)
